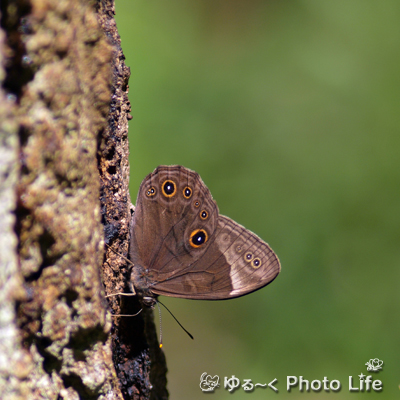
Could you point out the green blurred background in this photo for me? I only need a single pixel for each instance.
(289, 110)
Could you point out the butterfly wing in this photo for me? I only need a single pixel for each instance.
(236, 263)
(186, 249)
(170, 206)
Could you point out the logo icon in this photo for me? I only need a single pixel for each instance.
(208, 383)
(374, 364)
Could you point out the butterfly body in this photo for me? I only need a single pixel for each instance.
(182, 247)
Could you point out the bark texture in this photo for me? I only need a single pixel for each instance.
(139, 362)
(13, 357)
(63, 118)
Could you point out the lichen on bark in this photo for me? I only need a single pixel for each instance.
(59, 108)
(64, 175)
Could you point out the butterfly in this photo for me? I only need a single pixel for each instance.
(182, 247)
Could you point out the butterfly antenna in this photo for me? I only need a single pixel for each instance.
(173, 316)
(159, 316)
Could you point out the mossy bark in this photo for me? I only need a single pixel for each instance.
(64, 177)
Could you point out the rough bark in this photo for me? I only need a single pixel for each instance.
(139, 363)
(63, 172)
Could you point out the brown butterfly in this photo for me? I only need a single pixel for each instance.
(182, 247)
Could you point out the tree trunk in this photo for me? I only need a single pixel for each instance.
(64, 177)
